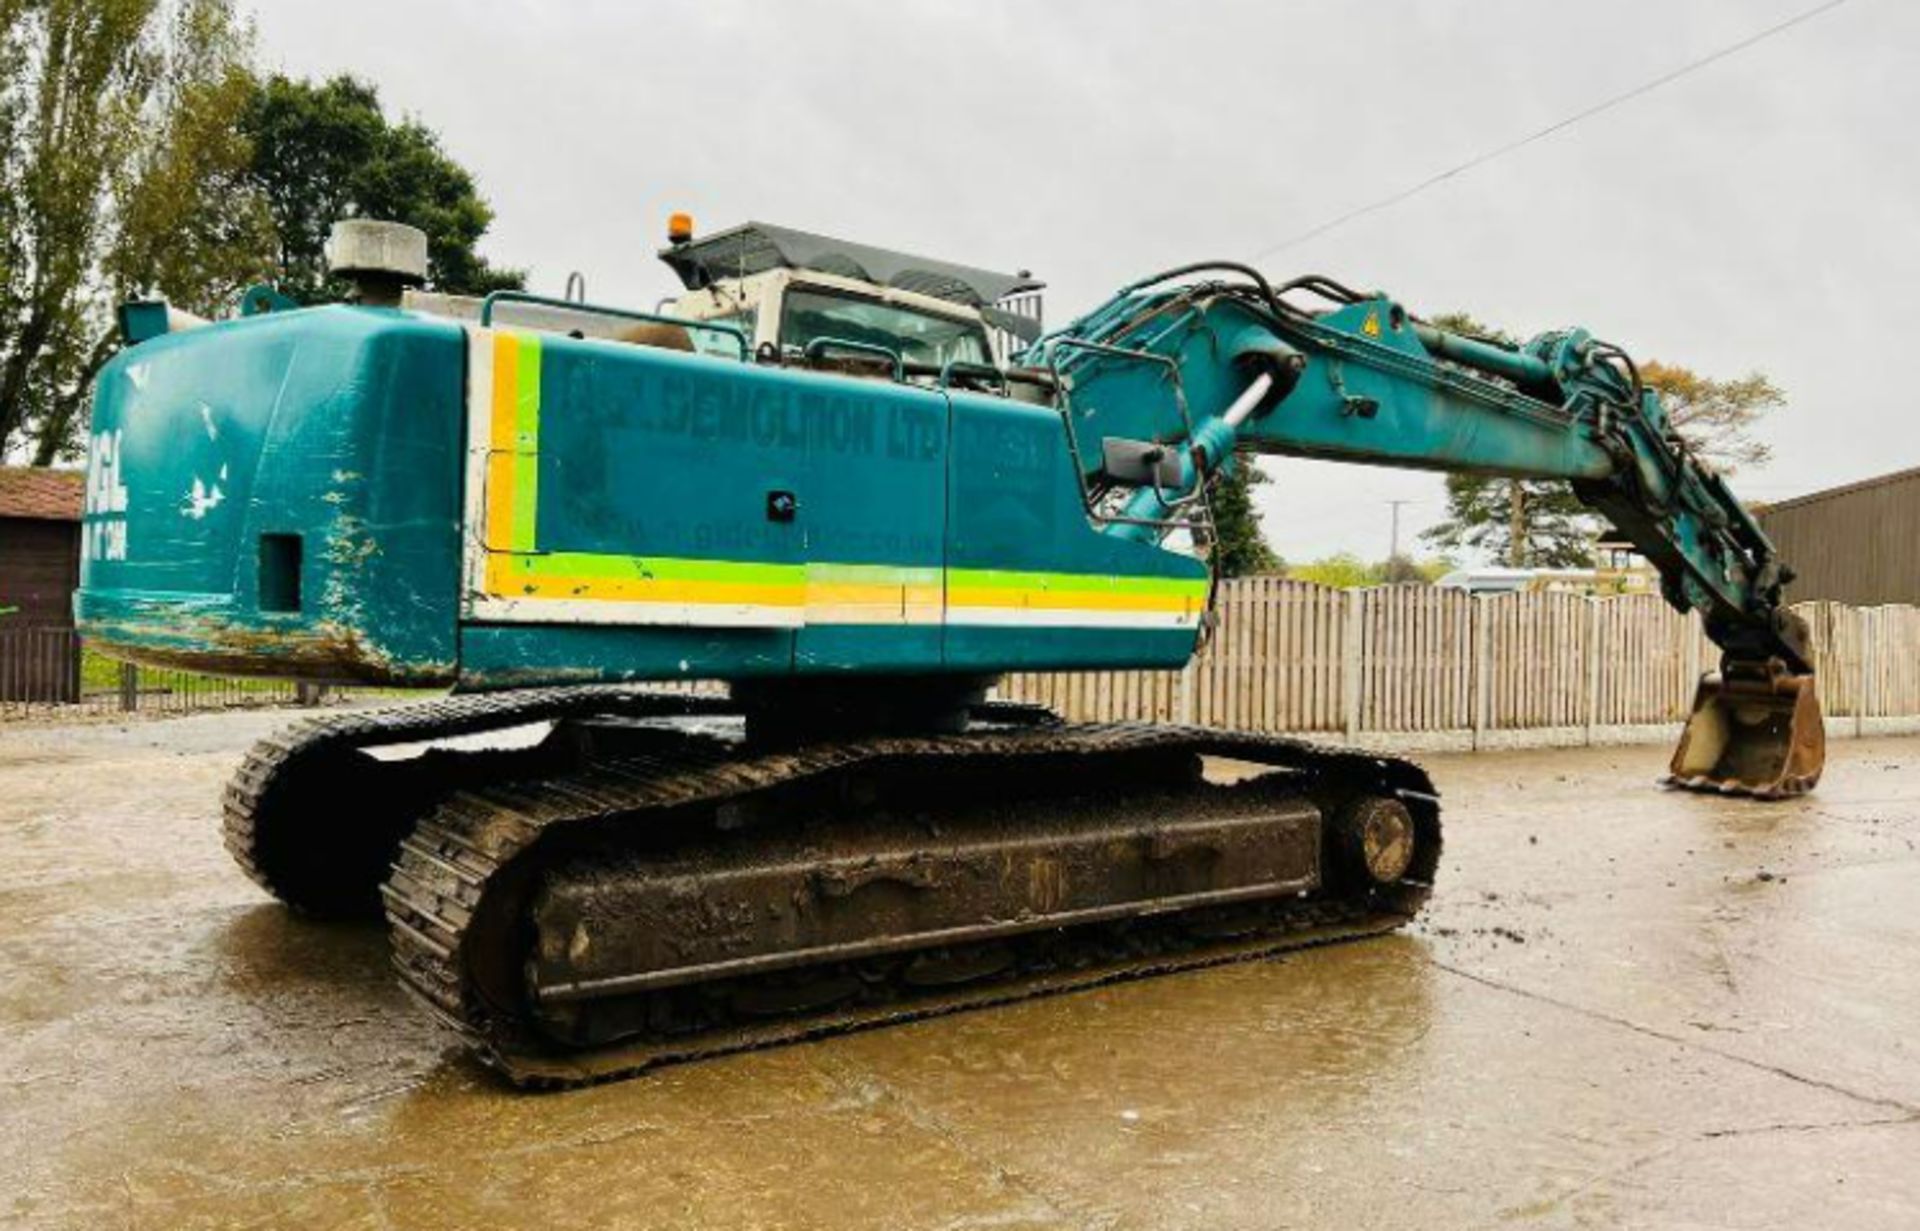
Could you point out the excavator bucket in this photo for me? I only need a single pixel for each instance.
(1756, 729)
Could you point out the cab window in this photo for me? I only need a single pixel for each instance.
(713, 342)
(920, 337)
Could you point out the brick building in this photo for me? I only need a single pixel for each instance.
(39, 571)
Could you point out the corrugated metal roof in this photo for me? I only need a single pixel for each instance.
(1852, 544)
(1845, 489)
(758, 246)
(40, 494)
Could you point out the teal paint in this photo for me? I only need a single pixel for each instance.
(339, 425)
(980, 650)
(142, 320)
(348, 427)
(500, 656)
(677, 515)
(1373, 388)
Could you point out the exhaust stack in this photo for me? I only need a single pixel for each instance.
(381, 259)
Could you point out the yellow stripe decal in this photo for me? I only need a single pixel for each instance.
(526, 442)
(825, 593)
(877, 593)
(500, 450)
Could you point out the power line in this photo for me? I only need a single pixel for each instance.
(1393, 553)
(1488, 156)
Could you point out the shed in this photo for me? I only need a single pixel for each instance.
(39, 571)
(1858, 543)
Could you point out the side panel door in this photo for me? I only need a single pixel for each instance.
(714, 516)
(1031, 583)
(613, 484)
(872, 520)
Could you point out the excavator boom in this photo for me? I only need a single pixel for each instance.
(1196, 372)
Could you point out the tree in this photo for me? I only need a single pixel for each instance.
(1530, 523)
(76, 76)
(1524, 523)
(1343, 570)
(1240, 547)
(194, 229)
(14, 64)
(1346, 571)
(141, 156)
(1402, 570)
(116, 174)
(325, 151)
(182, 221)
(1716, 417)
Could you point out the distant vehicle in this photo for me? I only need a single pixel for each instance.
(1535, 580)
(1487, 580)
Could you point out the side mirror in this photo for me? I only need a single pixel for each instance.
(1140, 463)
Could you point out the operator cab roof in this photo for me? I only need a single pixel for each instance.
(756, 247)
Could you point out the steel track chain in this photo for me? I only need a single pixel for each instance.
(256, 806)
(438, 904)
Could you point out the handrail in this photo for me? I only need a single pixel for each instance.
(738, 334)
(966, 367)
(817, 349)
(1073, 443)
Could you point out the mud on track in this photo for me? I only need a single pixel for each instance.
(1624, 1007)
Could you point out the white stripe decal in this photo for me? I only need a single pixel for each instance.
(479, 435)
(1054, 617)
(601, 611)
(727, 615)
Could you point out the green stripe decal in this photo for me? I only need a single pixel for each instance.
(526, 458)
(1002, 579)
(587, 565)
(591, 565)
(979, 588)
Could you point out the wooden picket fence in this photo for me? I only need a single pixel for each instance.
(1410, 662)
(1300, 658)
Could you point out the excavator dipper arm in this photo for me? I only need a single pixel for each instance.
(1189, 373)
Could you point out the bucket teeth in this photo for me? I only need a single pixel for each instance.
(1756, 729)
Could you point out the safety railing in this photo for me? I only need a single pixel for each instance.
(737, 334)
(49, 673)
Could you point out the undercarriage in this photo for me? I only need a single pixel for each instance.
(607, 879)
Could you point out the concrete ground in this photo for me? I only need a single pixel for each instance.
(1625, 1007)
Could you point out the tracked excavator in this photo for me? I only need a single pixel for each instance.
(854, 486)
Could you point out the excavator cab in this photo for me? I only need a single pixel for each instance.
(812, 318)
(812, 299)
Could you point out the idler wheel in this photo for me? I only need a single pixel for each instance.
(1374, 840)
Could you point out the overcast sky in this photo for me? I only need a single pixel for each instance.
(1758, 214)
